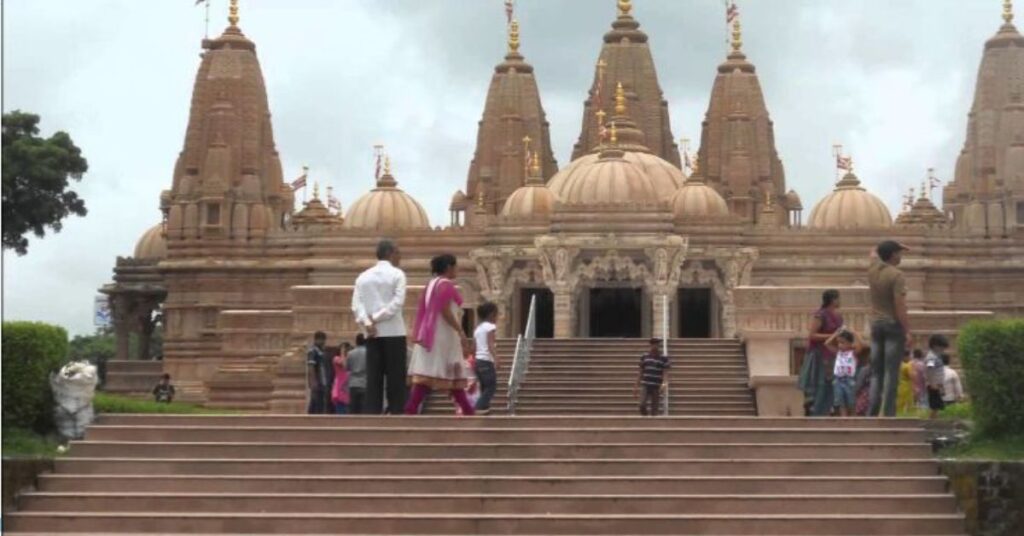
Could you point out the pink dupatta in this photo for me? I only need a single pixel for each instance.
(434, 299)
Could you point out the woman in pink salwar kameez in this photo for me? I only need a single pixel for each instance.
(439, 341)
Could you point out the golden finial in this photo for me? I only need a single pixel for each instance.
(1008, 11)
(600, 117)
(625, 6)
(233, 13)
(526, 143)
(535, 166)
(480, 199)
(316, 190)
(614, 134)
(737, 35)
(387, 164)
(620, 100)
(513, 37)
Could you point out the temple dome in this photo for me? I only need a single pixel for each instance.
(793, 201)
(607, 179)
(533, 199)
(667, 178)
(459, 201)
(152, 244)
(386, 208)
(696, 200)
(850, 206)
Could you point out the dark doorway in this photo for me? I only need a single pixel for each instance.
(615, 312)
(695, 313)
(545, 311)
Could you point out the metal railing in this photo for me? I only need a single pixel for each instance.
(521, 358)
(664, 349)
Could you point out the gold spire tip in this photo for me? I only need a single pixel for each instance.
(535, 165)
(513, 37)
(737, 35)
(387, 164)
(614, 134)
(600, 116)
(1007, 11)
(316, 190)
(233, 13)
(620, 100)
(625, 7)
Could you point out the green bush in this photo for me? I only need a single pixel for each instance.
(31, 351)
(993, 356)
(108, 403)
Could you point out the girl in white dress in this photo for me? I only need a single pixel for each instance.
(439, 341)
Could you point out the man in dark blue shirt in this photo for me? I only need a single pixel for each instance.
(653, 376)
(317, 374)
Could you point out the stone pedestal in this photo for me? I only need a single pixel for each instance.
(777, 396)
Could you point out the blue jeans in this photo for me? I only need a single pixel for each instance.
(340, 409)
(488, 377)
(887, 346)
(845, 397)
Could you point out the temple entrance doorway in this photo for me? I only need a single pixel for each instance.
(616, 312)
(695, 313)
(545, 314)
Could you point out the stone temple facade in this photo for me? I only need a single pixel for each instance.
(618, 242)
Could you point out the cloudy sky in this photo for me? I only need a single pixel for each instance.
(890, 79)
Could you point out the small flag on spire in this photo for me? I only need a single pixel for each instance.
(731, 12)
(332, 202)
(301, 181)
(378, 151)
(509, 10)
(844, 162)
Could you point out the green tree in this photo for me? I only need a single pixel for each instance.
(35, 180)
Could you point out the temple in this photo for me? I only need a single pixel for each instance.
(623, 241)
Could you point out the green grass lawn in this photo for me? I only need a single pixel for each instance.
(108, 403)
(961, 411)
(22, 443)
(1002, 449)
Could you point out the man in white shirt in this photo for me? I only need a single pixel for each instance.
(952, 389)
(377, 303)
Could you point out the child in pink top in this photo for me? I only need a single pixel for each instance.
(339, 391)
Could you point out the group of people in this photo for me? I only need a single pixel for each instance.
(844, 375)
(378, 375)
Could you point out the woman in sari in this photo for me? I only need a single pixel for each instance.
(816, 373)
(439, 341)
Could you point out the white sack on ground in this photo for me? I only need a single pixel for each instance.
(73, 389)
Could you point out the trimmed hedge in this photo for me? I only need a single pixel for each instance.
(31, 351)
(993, 356)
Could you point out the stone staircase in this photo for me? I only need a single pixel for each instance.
(265, 474)
(596, 377)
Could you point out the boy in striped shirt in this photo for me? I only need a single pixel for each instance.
(654, 376)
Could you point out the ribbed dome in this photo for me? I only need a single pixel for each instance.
(386, 208)
(696, 200)
(850, 206)
(152, 244)
(607, 179)
(666, 177)
(533, 199)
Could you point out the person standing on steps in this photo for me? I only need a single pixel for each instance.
(890, 325)
(440, 344)
(486, 364)
(816, 372)
(653, 377)
(316, 375)
(356, 366)
(377, 302)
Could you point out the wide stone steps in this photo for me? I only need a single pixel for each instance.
(275, 474)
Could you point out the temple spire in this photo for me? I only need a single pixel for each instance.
(737, 36)
(513, 37)
(620, 100)
(1008, 11)
(233, 13)
(625, 7)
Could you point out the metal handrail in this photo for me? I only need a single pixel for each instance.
(664, 349)
(521, 358)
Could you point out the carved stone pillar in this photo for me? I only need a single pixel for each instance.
(121, 308)
(563, 312)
